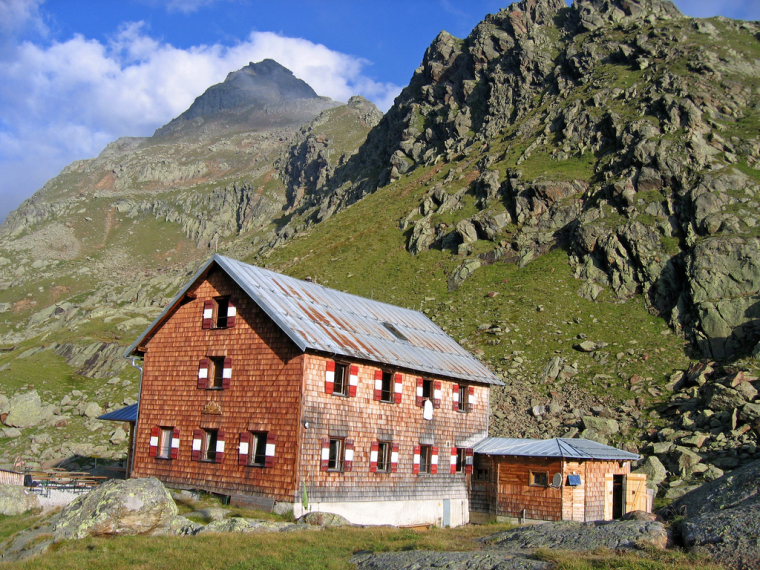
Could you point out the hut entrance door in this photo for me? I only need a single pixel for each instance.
(618, 496)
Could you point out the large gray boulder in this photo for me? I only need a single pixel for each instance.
(26, 410)
(568, 535)
(134, 506)
(16, 500)
(722, 517)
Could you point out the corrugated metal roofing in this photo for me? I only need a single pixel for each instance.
(570, 448)
(128, 414)
(317, 318)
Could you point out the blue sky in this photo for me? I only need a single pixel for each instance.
(77, 74)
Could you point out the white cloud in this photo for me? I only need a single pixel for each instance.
(66, 100)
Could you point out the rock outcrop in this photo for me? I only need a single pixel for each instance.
(16, 500)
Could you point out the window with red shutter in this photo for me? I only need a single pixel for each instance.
(398, 385)
(394, 457)
(155, 433)
(226, 372)
(353, 381)
(208, 314)
(374, 455)
(455, 397)
(270, 451)
(174, 454)
(325, 455)
(437, 394)
(330, 376)
(244, 448)
(378, 392)
(197, 444)
(204, 369)
(420, 397)
(469, 460)
(231, 313)
(348, 461)
(433, 460)
(454, 465)
(417, 458)
(219, 457)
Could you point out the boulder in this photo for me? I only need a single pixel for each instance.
(131, 507)
(26, 410)
(92, 410)
(606, 426)
(654, 470)
(421, 559)
(632, 534)
(5, 404)
(324, 519)
(723, 398)
(16, 500)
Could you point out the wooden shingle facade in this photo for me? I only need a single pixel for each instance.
(288, 395)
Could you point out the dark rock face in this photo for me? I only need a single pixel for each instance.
(722, 518)
(426, 560)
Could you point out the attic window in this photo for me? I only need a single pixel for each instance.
(395, 332)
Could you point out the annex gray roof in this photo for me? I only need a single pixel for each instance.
(568, 448)
(320, 319)
(128, 414)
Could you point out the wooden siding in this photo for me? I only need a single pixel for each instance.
(518, 498)
(264, 395)
(598, 496)
(366, 420)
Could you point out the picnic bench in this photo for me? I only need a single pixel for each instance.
(45, 480)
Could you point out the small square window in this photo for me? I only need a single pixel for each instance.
(464, 398)
(208, 444)
(258, 450)
(222, 312)
(384, 457)
(165, 442)
(427, 388)
(340, 386)
(426, 454)
(461, 459)
(539, 479)
(217, 372)
(386, 392)
(335, 460)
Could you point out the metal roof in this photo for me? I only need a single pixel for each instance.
(569, 448)
(128, 414)
(320, 319)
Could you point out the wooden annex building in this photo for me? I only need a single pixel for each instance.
(290, 396)
(556, 479)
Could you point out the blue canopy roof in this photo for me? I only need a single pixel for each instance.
(128, 414)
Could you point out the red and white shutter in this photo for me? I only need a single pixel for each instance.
(420, 401)
(398, 384)
(454, 456)
(153, 449)
(455, 398)
(330, 377)
(204, 368)
(348, 455)
(197, 440)
(231, 314)
(471, 399)
(469, 460)
(437, 394)
(325, 457)
(373, 453)
(434, 460)
(227, 372)
(271, 448)
(219, 457)
(353, 380)
(244, 448)
(174, 452)
(416, 460)
(394, 457)
(378, 395)
(208, 314)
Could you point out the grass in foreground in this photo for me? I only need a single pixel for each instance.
(326, 549)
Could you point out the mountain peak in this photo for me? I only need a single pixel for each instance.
(245, 94)
(596, 13)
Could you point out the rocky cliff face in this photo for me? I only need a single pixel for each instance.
(618, 129)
